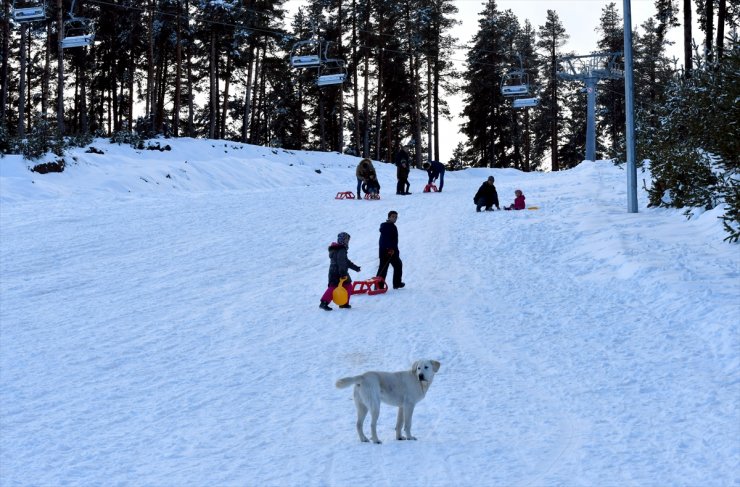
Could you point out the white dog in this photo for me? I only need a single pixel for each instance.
(403, 389)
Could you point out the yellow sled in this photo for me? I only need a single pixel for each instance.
(533, 207)
(340, 295)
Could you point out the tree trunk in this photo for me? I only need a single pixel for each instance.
(709, 29)
(22, 84)
(178, 73)
(84, 121)
(60, 70)
(225, 109)
(47, 75)
(687, 52)
(554, 112)
(5, 55)
(355, 87)
(150, 65)
(430, 126)
(721, 19)
(255, 94)
(213, 84)
(248, 96)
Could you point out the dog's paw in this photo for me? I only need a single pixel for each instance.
(377, 442)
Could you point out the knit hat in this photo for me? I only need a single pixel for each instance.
(490, 178)
(343, 239)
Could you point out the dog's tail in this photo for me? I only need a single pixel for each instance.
(348, 381)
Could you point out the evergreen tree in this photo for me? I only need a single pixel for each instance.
(552, 36)
(486, 112)
(610, 100)
(694, 154)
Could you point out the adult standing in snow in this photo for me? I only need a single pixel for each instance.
(486, 196)
(435, 170)
(339, 265)
(403, 168)
(363, 172)
(388, 250)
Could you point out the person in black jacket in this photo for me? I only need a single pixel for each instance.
(388, 250)
(436, 170)
(402, 161)
(339, 265)
(486, 196)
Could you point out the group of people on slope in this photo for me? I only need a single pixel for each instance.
(488, 197)
(340, 264)
(367, 178)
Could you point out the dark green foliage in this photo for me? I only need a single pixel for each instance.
(694, 151)
(42, 139)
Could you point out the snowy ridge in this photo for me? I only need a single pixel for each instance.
(166, 331)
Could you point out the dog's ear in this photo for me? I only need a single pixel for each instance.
(436, 365)
(413, 366)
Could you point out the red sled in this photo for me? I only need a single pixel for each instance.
(372, 286)
(345, 195)
(372, 196)
(430, 188)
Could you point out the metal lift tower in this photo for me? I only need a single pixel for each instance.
(590, 69)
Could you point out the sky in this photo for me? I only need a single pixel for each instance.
(159, 326)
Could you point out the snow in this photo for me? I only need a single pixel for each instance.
(159, 325)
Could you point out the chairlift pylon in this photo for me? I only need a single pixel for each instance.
(29, 10)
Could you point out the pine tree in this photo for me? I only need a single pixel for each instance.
(694, 153)
(610, 99)
(552, 36)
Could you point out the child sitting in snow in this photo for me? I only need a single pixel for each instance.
(518, 201)
(339, 265)
(371, 186)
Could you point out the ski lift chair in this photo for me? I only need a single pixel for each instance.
(78, 32)
(525, 102)
(331, 72)
(305, 54)
(28, 11)
(515, 83)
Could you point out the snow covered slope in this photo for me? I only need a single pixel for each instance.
(159, 325)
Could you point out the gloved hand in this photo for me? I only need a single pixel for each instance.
(359, 268)
(391, 251)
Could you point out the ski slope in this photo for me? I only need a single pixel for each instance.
(159, 325)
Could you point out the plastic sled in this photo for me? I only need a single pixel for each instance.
(372, 196)
(372, 286)
(340, 295)
(345, 195)
(430, 188)
(533, 207)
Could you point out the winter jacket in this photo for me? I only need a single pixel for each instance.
(371, 186)
(403, 170)
(339, 264)
(435, 169)
(519, 203)
(388, 237)
(486, 192)
(364, 169)
(401, 156)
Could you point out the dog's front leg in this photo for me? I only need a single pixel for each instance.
(399, 424)
(408, 410)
